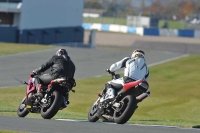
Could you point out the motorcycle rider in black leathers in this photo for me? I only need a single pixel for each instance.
(61, 67)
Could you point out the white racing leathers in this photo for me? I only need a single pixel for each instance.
(135, 69)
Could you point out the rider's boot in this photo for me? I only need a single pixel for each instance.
(39, 93)
(65, 101)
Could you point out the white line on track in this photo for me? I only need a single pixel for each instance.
(162, 126)
(168, 60)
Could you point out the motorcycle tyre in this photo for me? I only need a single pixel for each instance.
(55, 106)
(24, 112)
(92, 118)
(128, 112)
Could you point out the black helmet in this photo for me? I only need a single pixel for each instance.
(61, 52)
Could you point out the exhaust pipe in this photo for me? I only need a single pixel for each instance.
(109, 118)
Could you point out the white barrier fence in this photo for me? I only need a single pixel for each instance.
(142, 31)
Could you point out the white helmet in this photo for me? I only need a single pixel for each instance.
(138, 53)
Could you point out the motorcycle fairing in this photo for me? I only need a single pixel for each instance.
(30, 86)
(110, 93)
(129, 85)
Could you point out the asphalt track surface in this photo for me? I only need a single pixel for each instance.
(89, 63)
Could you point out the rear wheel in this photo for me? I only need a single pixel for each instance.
(125, 111)
(47, 112)
(22, 110)
(92, 113)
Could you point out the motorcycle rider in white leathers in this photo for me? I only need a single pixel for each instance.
(135, 69)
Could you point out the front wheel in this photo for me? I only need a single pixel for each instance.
(92, 117)
(47, 112)
(125, 111)
(22, 110)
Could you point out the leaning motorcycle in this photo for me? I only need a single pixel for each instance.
(118, 109)
(52, 100)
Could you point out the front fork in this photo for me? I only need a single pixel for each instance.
(29, 104)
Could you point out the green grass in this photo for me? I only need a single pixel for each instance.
(172, 24)
(10, 131)
(122, 21)
(174, 96)
(13, 48)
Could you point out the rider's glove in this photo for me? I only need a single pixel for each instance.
(108, 70)
(34, 72)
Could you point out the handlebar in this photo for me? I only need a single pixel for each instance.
(114, 76)
(112, 73)
(32, 74)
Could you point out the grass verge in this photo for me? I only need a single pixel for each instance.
(13, 48)
(10, 131)
(174, 99)
(122, 21)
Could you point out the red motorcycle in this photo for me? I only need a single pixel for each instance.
(119, 108)
(52, 100)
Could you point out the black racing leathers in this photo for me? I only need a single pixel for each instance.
(60, 67)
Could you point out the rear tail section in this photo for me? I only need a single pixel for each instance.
(130, 85)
